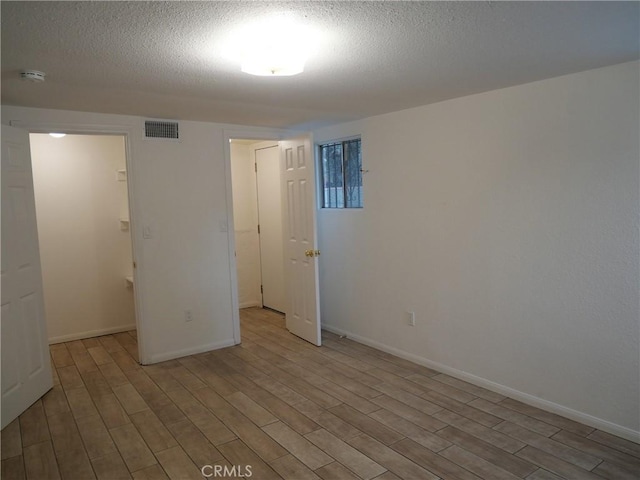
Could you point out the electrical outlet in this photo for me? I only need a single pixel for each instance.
(411, 319)
(188, 316)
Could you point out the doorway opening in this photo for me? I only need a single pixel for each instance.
(83, 217)
(257, 212)
(298, 239)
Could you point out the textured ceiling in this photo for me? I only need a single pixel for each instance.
(163, 59)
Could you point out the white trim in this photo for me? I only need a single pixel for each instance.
(254, 303)
(91, 333)
(264, 144)
(72, 128)
(570, 413)
(161, 357)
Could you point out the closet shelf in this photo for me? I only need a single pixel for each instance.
(124, 224)
(128, 281)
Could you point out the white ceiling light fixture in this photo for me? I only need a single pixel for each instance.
(58, 135)
(275, 46)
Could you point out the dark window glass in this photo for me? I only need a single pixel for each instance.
(342, 174)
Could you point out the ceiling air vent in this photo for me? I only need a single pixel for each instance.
(161, 129)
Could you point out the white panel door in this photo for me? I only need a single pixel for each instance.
(26, 365)
(299, 218)
(270, 219)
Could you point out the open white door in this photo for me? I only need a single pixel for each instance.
(299, 229)
(26, 365)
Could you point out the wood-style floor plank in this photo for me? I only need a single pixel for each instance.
(80, 402)
(11, 440)
(290, 468)
(366, 424)
(300, 447)
(336, 471)
(289, 410)
(153, 431)
(476, 464)
(65, 435)
(433, 462)
(614, 442)
(154, 472)
(241, 455)
(560, 450)
(40, 461)
(110, 467)
(555, 465)
(410, 430)
(390, 459)
(132, 448)
(350, 457)
(33, 425)
(489, 452)
(547, 417)
(55, 401)
(598, 450)
(13, 468)
(194, 443)
(177, 464)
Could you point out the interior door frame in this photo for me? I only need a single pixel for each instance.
(136, 237)
(261, 134)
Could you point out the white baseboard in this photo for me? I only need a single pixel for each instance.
(255, 303)
(552, 407)
(162, 357)
(91, 333)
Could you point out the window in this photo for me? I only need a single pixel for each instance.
(341, 174)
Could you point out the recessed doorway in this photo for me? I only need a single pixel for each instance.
(82, 212)
(255, 171)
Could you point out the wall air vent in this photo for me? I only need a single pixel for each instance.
(161, 129)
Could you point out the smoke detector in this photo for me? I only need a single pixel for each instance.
(32, 76)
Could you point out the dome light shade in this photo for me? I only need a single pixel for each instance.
(58, 135)
(275, 46)
(273, 64)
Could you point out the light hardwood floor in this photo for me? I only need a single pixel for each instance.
(289, 410)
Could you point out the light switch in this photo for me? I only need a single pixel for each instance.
(146, 232)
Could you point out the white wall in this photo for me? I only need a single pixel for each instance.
(245, 217)
(85, 255)
(179, 192)
(508, 221)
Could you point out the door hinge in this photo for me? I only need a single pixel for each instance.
(134, 265)
(258, 229)
(261, 289)
(256, 166)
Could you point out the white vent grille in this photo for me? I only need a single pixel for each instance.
(159, 129)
